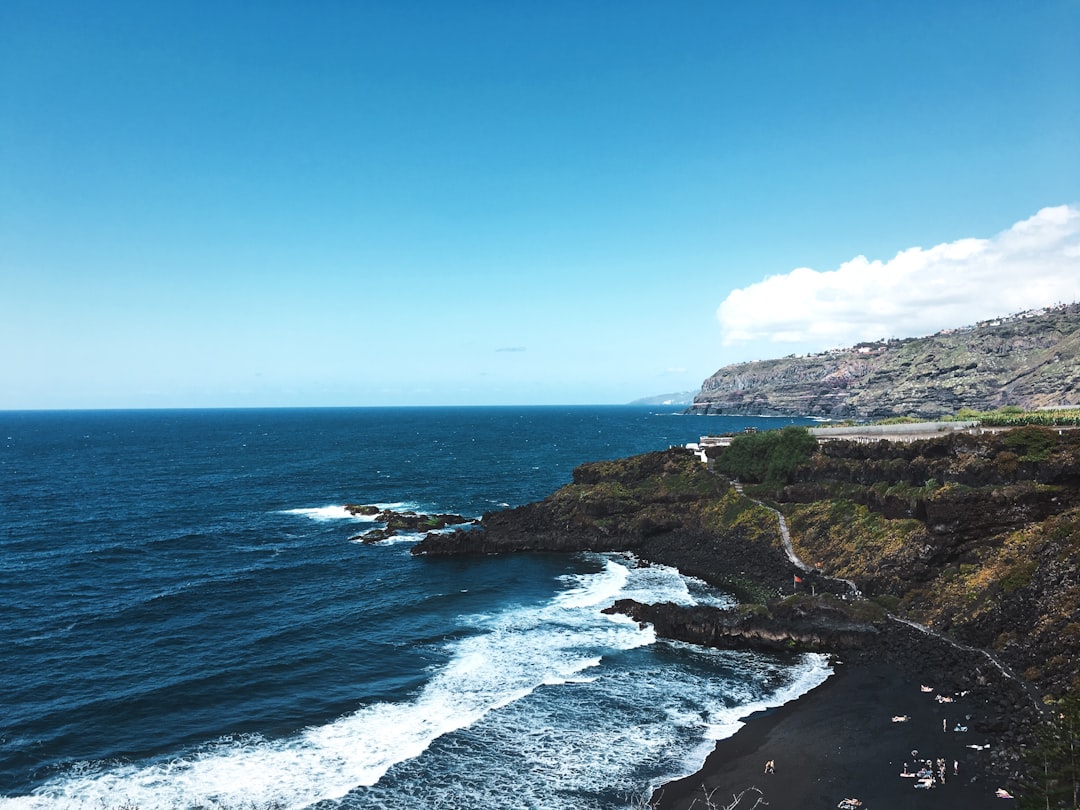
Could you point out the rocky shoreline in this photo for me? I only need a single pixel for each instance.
(881, 669)
(668, 508)
(395, 523)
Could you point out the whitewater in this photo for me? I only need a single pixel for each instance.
(197, 627)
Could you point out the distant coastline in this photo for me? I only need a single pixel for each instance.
(683, 398)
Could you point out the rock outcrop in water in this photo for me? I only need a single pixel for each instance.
(395, 522)
(1030, 360)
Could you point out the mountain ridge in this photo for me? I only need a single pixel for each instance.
(1029, 359)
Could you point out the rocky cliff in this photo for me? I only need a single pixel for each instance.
(1030, 360)
(665, 507)
(975, 536)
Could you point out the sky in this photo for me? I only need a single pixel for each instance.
(268, 204)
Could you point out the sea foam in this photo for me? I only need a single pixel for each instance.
(323, 514)
(529, 681)
(512, 654)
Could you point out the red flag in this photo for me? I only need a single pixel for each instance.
(798, 579)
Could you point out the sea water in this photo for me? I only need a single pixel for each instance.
(187, 619)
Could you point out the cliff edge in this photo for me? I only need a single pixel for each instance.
(975, 537)
(1030, 360)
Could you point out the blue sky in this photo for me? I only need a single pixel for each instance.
(410, 203)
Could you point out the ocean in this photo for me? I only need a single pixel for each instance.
(186, 619)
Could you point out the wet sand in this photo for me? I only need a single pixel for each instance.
(839, 741)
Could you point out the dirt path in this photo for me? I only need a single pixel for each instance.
(789, 549)
(855, 593)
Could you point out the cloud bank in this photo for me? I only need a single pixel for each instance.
(1034, 263)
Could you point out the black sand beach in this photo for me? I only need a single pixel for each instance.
(840, 741)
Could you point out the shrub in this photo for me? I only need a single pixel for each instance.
(1054, 776)
(770, 457)
(1034, 443)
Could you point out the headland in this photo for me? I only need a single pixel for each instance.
(963, 549)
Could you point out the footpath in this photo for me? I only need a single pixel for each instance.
(855, 593)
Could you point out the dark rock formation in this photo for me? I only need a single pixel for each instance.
(665, 507)
(397, 522)
(1030, 361)
(977, 537)
(796, 625)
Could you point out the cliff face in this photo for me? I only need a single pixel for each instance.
(1030, 361)
(977, 536)
(665, 507)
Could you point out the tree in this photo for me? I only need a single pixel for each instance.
(1054, 779)
(768, 457)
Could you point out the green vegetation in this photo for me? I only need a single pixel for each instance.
(1007, 416)
(1033, 443)
(730, 511)
(769, 457)
(1054, 780)
(753, 609)
(860, 610)
(1011, 416)
(904, 491)
(638, 496)
(887, 602)
(748, 591)
(847, 538)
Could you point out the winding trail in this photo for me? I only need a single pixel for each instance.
(789, 549)
(855, 593)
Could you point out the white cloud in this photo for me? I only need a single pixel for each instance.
(1034, 263)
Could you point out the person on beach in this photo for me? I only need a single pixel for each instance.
(770, 766)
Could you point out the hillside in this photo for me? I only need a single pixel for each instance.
(974, 536)
(663, 506)
(1031, 360)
